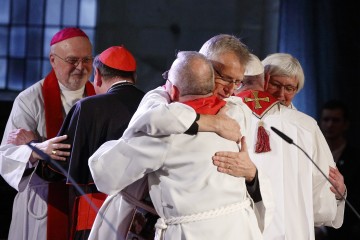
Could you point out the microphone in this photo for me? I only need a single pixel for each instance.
(48, 159)
(290, 141)
(282, 135)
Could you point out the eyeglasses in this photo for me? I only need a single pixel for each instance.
(218, 75)
(165, 76)
(289, 89)
(76, 61)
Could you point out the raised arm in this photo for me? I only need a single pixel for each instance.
(156, 116)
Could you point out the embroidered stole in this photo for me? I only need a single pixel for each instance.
(260, 103)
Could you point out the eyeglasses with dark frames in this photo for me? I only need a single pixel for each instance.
(288, 89)
(75, 61)
(226, 79)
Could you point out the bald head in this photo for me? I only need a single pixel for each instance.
(192, 74)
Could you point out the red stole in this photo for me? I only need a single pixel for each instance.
(207, 105)
(52, 103)
(58, 203)
(259, 102)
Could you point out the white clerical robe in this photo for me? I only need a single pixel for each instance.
(29, 216)
(182, 181)
(30, 204)
(115, 215)
(302, 195)
(315, 203)
(156, 117)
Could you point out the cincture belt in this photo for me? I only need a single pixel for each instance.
(162, 223)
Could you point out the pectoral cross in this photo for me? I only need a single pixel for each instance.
(256, 99)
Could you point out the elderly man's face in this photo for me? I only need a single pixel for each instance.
(228, 72)
(283, 88)
(71, 60)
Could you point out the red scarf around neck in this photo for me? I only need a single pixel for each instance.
(207, 105)
(53, 105)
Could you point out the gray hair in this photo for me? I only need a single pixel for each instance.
(224, 43)
(193, 74)
(283, 64)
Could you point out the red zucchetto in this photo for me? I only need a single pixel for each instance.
(118, 57)
(67, 33)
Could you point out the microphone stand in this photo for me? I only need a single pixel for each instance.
(290, 141)
(48, 159)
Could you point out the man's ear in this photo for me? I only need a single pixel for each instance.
(97, 78)
(52, 60)
(266, 82)
(174, 93)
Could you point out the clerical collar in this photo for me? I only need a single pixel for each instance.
(70, 97)
(120, 83)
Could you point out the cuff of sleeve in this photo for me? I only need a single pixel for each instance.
(253, 188)
(344, 196)
(33, 162)
(194, 128)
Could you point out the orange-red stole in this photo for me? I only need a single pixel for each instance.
(58, 203)
(207, 105)
(260, 103)
(52, 103)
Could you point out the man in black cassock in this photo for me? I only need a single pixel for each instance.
(89, 124)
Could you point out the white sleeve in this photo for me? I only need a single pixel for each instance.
(157, 117)
(13, 162)
(327, 210)
(118, 163)
(14, 159)
(264, 209)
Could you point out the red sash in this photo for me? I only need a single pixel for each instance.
(207, 105)
(58, 207)
(84, 212)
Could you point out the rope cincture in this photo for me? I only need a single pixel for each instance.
(162, 223)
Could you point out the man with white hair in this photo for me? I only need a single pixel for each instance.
(114, 83)
(39, 111)
(303, 197)
(284, 77)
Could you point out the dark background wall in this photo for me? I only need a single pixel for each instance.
(155, 30)
(321, 34)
